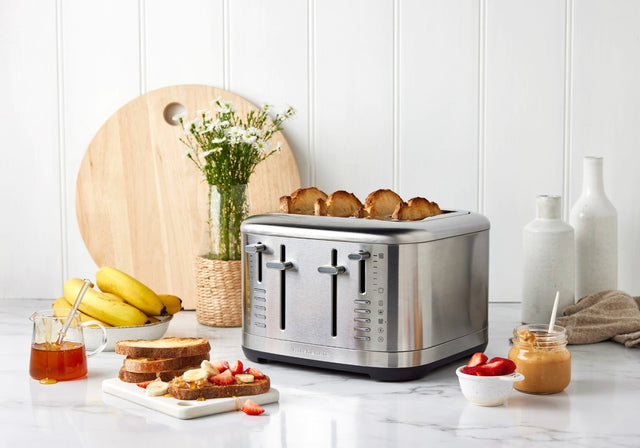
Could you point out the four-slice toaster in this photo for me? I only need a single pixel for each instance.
(390, 299)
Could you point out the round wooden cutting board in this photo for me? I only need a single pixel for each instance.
(141, 205)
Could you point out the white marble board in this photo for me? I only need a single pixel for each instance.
(183, 409)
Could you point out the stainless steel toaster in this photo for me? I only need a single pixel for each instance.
(389, 299)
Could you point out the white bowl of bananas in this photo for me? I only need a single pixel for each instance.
(153, 330)
(126, 308)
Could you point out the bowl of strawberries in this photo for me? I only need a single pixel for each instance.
(487, 382)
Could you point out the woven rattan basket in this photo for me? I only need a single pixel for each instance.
(219, 300)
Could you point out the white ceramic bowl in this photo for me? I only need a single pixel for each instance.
(93, 335)
(487, 390)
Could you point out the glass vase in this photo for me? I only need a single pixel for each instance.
(228, 207)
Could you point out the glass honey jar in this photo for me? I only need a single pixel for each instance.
(542, 357)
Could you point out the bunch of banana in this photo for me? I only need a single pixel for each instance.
(120, 301)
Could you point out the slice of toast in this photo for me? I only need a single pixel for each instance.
(180, 389)
(152, 365)
(163, 348)
(137, 377)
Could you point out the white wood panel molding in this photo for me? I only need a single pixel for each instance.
(438, 120)
(354, 95)
(101, 73)
(30, 229)
(269, 63)
(184, 43)
(606, 115)
(525, 61)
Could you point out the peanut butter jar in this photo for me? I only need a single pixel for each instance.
(542, 357)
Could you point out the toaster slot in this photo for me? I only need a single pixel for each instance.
(360, 257)
(333, 269)
(334, 295)
(282, 265)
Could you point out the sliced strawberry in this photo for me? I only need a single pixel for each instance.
(220, 364)
(223, 379)
(477, 359)
(473, 370)
(236, 367)
(499, 366)
(252, 408)
(144, 384)
(509, 365)
(255, 372)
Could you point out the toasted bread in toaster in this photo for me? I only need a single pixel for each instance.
(339, 203)
(380, 204)
(163, 348)
(416, 209)
(301, 201)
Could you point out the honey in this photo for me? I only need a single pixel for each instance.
(50, 362)
(542, 357)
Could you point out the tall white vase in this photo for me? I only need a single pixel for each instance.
(595, 221)
(548, 245)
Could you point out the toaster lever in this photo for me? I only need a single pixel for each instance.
(333, 270)
(279, 265)
(360, 255)
(254, 248)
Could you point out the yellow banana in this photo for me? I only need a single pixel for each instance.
(111, 296)
(118, 314)
(61, 308)
(172, 303)
(131, 290)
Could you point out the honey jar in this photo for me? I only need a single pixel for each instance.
(542, 357)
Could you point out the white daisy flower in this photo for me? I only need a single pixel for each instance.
(179, 117)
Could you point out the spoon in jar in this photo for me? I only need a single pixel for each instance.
(552, 322)
(86, 284)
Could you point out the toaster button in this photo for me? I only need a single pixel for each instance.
(362, 302)
(365, 329)
(260, 307)
(361, 255)
(362, 311)
(260, 316)
(362, 338)
(364, 320)
(260, 324)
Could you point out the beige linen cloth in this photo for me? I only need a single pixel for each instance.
(603, 316)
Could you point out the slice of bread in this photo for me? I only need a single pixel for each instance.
(180, 389)
(152, 365)
(137, 377)
(163, 348)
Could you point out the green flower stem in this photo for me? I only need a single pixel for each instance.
(228, 207)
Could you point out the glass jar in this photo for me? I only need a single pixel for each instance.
(542, 357)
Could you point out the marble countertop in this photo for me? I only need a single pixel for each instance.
(319, 408)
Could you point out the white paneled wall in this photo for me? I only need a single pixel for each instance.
(477, 104)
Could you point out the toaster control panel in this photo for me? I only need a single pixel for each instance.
(370, 307)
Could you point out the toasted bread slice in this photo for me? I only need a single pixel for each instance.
(415, 209)
(180, 389)
(163, 348)
(339, 203)
(302, 201)
(137, 377)
(381, 204)
(147, 365)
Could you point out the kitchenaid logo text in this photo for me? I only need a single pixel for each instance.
(308, 352)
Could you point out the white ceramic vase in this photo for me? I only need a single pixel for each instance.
(595, 221)
(549, 265)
